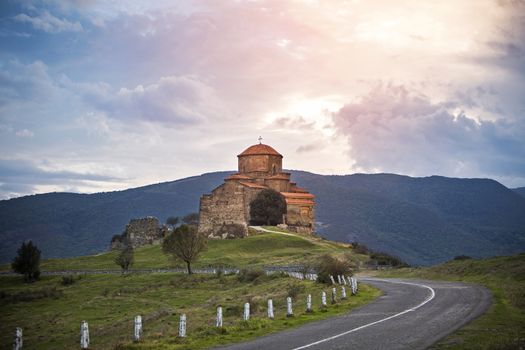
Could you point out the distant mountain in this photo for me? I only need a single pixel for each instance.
(421, 220)
(520, 191)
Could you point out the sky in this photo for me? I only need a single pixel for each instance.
(107, 95)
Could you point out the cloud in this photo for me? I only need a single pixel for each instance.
(49, 23)
(25, 133)
(395, 129)
(19, 176)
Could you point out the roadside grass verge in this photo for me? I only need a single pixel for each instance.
(110, 302)
(503, 326)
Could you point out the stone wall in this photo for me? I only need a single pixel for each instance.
(140, 232)
(223, 211)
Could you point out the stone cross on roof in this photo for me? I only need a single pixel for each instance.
(260, 140)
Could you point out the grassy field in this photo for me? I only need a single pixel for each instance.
(50, 313)
(257, 250)
(503, 326)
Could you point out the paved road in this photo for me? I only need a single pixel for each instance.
(412, 314)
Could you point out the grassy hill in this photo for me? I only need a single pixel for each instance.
(422, 220)
(50, 312)
(503, 326)
(253, 251)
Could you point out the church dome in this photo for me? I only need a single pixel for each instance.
(259, 149)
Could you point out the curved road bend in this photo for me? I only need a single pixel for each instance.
(412, 314)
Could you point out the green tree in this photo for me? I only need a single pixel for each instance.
(185, 243)
(125, 257)
(172, 221)
(27, 262)
(191, 219)
(267, 208)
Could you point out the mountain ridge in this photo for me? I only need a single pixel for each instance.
(422, 220)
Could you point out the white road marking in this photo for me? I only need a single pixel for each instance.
(429, 298)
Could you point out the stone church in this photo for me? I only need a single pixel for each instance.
(225, 213)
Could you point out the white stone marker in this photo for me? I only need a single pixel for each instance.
(332, 279)
(138, 328)
(344, 279)
(339, 279)
(19, 342)
(182, 326)
(84, 335)
(343, 292)
(323, 299)
(334, 295)
(246, 315)
(309, 303)
(218, 321)
(270, 309)
(289, 311)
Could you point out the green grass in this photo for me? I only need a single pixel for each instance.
(50, 313)
(257, 250)
(503, 326)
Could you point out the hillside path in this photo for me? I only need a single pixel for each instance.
(412, 314)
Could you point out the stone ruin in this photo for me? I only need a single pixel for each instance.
(140, 232)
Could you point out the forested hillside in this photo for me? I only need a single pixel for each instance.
(421, 220)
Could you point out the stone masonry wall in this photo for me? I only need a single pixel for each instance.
(222, 212)
(143, 231)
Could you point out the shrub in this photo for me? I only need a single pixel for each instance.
(383, 259)
(294, 290)
(462, 257)
(360, 248)
(68, 280)
(250, 275)
(330, 265)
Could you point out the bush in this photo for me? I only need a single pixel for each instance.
(294, 290)
(330, 265)
(383, 259)
(462, 257)
(250, 275)
(360, 248)
(68, 280)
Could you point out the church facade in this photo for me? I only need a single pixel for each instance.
(225, 213)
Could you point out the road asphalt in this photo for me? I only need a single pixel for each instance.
(412, 314)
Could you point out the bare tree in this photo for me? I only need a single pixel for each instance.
(185, 243)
